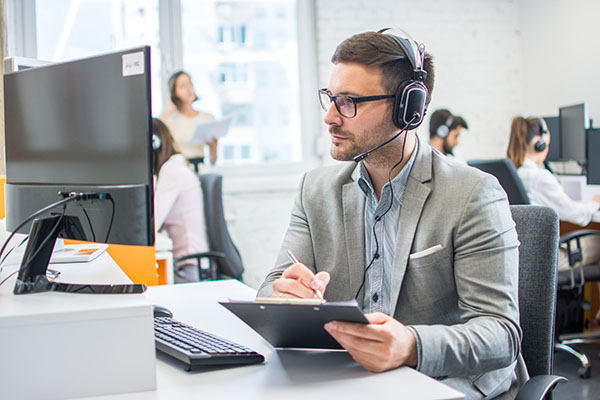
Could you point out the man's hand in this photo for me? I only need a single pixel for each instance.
(381, 345)
(299, 282)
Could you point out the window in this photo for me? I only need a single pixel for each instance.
(243, 58)
(73, 29)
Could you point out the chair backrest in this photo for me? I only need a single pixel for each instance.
(218, 235)
(537, 228)
(506, 173)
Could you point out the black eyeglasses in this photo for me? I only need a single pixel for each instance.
(346, 105)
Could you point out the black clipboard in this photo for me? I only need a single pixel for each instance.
(286, 324)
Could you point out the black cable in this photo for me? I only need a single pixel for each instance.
(112, 218)
(11, 249)
(35, 214)
(32, 257)
(379, 218)
(90, 224)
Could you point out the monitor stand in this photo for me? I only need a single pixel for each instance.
(32, 274)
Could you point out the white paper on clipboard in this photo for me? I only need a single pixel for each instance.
(208, 131)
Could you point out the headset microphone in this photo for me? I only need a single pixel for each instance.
(362, 156)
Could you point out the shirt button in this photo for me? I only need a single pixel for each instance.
(375, 297)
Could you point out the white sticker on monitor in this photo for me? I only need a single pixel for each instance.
(133, 63)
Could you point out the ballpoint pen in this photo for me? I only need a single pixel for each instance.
(295, 261)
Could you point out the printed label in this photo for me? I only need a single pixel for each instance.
(133, 63)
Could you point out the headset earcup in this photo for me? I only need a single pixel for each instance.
(539, 146)
(409, 100)
(442, 131)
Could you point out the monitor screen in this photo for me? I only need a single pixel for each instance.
(593, 163)
(554, 148)
(83, 126)
(573, 122)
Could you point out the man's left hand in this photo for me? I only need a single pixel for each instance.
(381, 345)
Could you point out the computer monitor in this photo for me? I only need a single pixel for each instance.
(554, 148)
(79, 131)
(573, 122)
(12, 64)
(593, 161)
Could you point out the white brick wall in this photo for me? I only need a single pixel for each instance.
(494, 59)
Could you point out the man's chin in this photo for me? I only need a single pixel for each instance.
(341, 155)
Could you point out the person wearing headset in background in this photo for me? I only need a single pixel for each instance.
(182, 119)
(426, 245)
(178, 203)
(444, 130)
(527, 148)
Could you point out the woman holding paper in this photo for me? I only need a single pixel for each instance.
(182, 119)
(178, 202)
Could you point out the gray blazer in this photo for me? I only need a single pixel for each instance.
(460, 300)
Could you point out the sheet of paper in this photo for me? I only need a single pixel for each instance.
(208, 131)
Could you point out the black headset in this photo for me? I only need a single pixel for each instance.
(444, 129)
(541, 144)
(411, 96)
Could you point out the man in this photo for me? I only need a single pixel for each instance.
(426, 246)
(444, 130)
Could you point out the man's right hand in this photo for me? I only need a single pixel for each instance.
(300, 282)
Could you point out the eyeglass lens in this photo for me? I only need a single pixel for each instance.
(344, 104)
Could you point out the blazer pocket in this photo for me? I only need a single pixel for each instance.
(428, 256)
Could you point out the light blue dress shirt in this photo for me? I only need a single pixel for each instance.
(381, 238)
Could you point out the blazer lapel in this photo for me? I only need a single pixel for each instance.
(415, 196)
(353, 204)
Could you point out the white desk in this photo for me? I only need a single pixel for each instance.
(285, 375)
(65, 345)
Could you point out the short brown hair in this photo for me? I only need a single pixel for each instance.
(382, 51)
(167, 145)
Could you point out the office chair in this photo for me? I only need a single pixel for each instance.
(225, 259)
(506, 173)
(570, 283)
(570, 286)
(537, 229)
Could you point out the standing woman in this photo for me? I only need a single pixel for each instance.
(527, 148)
(178, 203)
(182, 119)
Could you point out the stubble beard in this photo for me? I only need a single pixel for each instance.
(352, 146)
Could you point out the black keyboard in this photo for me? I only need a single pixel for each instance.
(198, 348)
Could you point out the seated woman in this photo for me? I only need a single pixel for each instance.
(527, 148)
(178, 203)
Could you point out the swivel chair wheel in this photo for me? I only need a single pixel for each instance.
(584, 372)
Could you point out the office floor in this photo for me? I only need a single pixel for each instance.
(577, 388)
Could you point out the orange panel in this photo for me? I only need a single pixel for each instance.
(2, 182)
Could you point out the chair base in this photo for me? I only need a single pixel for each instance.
(585, 371)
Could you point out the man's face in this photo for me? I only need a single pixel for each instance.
(373, 122)
(452, 139)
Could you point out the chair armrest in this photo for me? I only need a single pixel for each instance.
(539, 386)
(204, 274)
(198, 256)
(578, 233)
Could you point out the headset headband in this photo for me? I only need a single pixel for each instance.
(415, 52)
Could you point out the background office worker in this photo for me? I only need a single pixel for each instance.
(444, 130)
(527, 148)
(182, 118)
(178, 208)
(431, 256)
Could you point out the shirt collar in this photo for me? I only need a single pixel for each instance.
(399, 182)
(529, 163)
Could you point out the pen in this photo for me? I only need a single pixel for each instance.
(295, 261)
